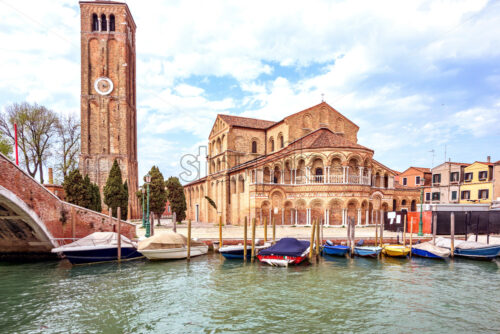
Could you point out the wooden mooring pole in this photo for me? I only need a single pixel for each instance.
(452, 233)
(434, 227)
(253, 238)
(311, 243)
(318, 242)
(381, 230)
(274, 230)
(189, 241)
(404, 231)
(265, 229)
(118, 229)
(376, 233)
(220, 231)
(353, 235)
(245, 240)
(411, 234)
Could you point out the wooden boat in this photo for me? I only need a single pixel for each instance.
(170, 246)
(285, 252)
(236, 252)
(367, 251)
(429, 250)
(470, 249)
(98, 247)
(334, 250)
(396, 250)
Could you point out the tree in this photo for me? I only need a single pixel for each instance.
(114, 191)
(93, 195)
(68, 136)
(176, 197)
(36, 126)
(76, 189)
(5, 147)
(157, 193)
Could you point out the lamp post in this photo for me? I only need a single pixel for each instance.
(148, 223)
(421, 223)
(143, 191)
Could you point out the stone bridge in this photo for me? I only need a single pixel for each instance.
(33, 220)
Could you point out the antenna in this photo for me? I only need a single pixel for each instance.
(432, 151)
(322, 97)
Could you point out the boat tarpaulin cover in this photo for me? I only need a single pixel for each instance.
(484, 239)
(287, 247)
(97, 239)
(429, 247)
(446, 243)
(166, 240)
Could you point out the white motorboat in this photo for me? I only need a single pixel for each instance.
(170, 246)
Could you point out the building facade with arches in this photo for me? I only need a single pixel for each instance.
(304, 167)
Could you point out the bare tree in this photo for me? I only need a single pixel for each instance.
(36, 126)
(68, 136)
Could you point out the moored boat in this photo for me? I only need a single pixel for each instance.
(236, 252)
(367, 251)
(334, 250)
(170, 246)
(470, 249)
(285, 252)
(428, 250)
(396, 250)
(98, 247)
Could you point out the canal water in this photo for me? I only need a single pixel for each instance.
(212, 295)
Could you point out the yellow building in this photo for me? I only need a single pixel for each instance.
(477, 186)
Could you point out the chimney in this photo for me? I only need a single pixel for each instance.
(488, 158)
(51, 176)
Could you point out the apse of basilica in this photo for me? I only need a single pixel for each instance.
(307, 166)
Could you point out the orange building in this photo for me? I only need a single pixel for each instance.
(416, 177)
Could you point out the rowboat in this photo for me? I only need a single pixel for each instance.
(236, 252)
(367, 251)
(285, 252)
(470, 249)
(396, 250)
(335, 250)
(98, 247)
(170, 246)
(428, 250)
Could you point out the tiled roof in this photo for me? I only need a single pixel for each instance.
(246, 122)
(422, 169)
(320, 138)
(327, 105)
(202, 179)
(484, 163)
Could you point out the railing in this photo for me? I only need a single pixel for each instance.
(325, 179)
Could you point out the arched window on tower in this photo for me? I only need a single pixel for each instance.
(111, 22)
(281, 142)
(104, 23)
(254, 147)
(95, 23)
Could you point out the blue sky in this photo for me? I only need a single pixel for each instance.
(415, 76)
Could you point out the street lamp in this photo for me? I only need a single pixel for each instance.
(420, 223)
(143, 191)
(148, 223)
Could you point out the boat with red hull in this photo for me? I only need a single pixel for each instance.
(285, 252)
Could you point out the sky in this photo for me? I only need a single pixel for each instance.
(415, 76)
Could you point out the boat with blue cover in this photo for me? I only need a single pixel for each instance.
(284, 252)
(236, 252)
(334, 250)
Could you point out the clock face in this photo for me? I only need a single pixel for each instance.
(103, 85)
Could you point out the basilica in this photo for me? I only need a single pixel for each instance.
(307, 166)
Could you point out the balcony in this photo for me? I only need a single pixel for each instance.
(324, 179)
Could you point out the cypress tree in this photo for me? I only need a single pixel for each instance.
(114, 191)
(157, 193)
(176, 197)
(75, 189)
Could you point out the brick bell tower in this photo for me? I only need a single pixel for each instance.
(108, 96)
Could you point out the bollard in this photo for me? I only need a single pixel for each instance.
(253, 238)
(245, 240)
(311, 243)
(452, 232)
(119, 240)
